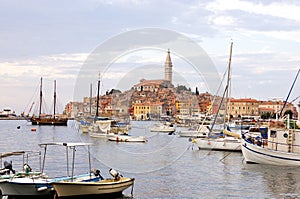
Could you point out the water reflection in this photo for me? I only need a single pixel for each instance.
(281, 182)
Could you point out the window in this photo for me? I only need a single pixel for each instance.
(273, 134)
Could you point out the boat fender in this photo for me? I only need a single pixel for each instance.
(114, 174)
(42, 188)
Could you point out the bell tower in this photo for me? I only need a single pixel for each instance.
(168, 67)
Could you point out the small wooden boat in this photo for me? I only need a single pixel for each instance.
(110, 187)
(94, 185)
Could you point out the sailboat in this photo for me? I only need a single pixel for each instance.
(101, 125)
(228, 141)
(48, 119)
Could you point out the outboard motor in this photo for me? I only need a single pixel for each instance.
(27, 168)
(97, 172)
(115, 174)
(8, 165)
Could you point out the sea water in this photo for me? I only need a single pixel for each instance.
(166, 166)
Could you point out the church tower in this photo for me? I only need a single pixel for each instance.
(168, 68)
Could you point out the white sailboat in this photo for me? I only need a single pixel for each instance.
(229, 141)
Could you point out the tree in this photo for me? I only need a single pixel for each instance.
(289, 112)
(181, 88)
(197, 92)
(266, 115)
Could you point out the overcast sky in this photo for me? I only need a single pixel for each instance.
(53, 39)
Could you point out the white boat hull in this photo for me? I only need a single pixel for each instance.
(103, 187)
(26, 187)
(191, 134)
(97, 135)
(258, 154)
(163, 128)
(126, 138)
(226, 144)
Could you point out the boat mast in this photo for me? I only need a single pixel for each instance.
(41, 97)
(54, 104)
(228, 85)
(91, 99)
(97, 113)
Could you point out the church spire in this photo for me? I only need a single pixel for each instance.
(168, 67)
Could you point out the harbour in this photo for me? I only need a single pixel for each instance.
(167, 166)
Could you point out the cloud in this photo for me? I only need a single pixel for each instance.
(282, 9)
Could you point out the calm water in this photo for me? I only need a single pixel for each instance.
(165, 167)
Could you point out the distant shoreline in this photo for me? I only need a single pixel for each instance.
(20, 118)
(12, 118)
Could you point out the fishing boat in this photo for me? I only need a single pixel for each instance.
(46, 119)
(92, 187)
(281, 145)
(163, 127)
(8, 172)
(226, 140)
(24, 183)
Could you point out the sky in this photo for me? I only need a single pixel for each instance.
(57, 40)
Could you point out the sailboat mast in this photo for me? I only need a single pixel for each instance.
(97, 113)
(228, 84)
(41, 97)
(91, 99)
(54, 103)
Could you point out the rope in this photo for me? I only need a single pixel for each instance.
(228, 154)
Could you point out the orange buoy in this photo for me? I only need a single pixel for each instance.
(33, 129)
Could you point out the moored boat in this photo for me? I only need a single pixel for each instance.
(43, 119)
(125, 138)
(165, 127)
(102, 188)
(226, 140)
(221, 143)
(95, 186)
(201, 131)
(281, 147)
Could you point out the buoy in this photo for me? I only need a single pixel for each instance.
(33, 129)
(208, 143)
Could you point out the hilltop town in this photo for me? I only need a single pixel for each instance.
(154, 99)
